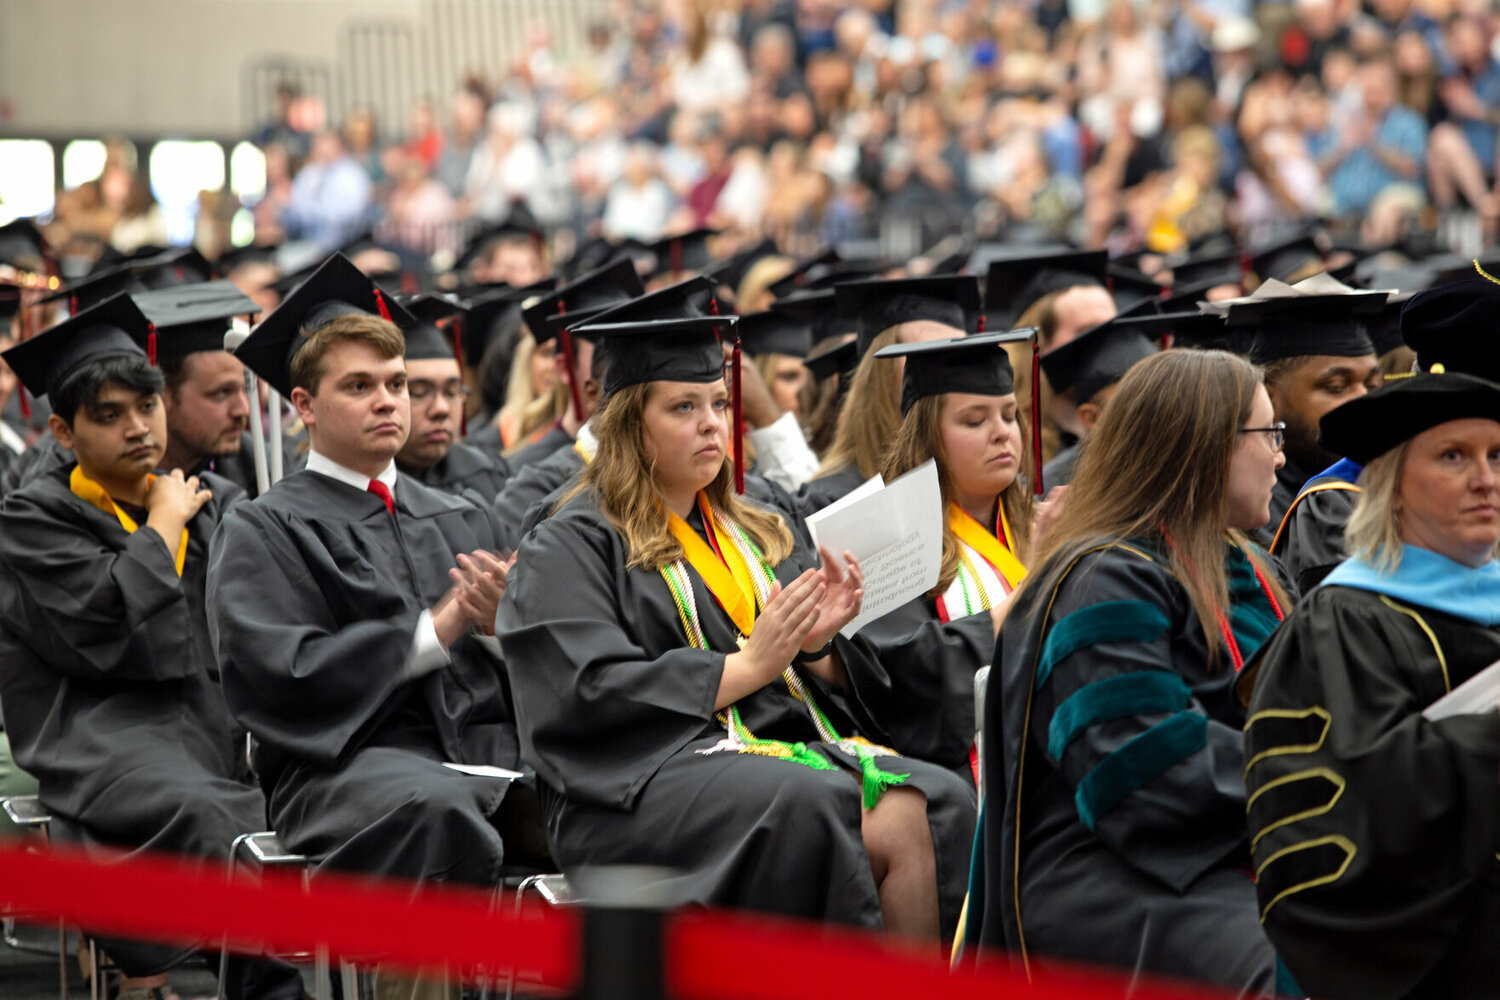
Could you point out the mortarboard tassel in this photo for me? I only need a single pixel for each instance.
(676, 246)
(1036, 412)
(456, 325)
(385, 313)
(739, 425)
(72, 305)
(151, 344)
(565, 341)
(980, 328)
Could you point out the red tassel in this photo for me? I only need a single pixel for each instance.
(713, 306)
(676, 257)
(458, 355)
(25, 403)
(72, 305)
(980, 329)
(385, 313)
(151, 343)
(1036, 413)
(739, 423)
(1246, 267)
(565, 341)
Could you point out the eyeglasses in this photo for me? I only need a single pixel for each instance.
(421, 392)
(1276, 430)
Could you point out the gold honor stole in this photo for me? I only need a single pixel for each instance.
(995, 571)
(726, 573)
(86, 489)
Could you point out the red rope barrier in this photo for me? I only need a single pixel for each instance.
(161, 899)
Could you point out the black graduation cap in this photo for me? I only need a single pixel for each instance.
(109, 258)
(731, 272)
(236, 257)
(1129, 287)
(1455, 267)
(819, 310)
(1454, 326)
(1203, 272)
(336, 288)
(192, 318)
(1204, 331)
(825, 277)
(520, 224)
(1368, 427)
(425, 341)
(21, 242)
(1333, 325)
(975, 364)
(1014, 284)
(114, 328)
(690, 299)
(581, 298)
(836, 359)
(1286, 259)
(680, 349)
(493, 310)
(1384, 327)
(1097, 358)
(879, 304)
(806, 270)
(775, 332)
(684, 252)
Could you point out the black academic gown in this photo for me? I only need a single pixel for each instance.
(1311, 541)
(466, 468)
(1059, 471)
(110, 687)
(920, 683)
(519, 505)
(616, 712)
(315, 592)
(486, 437)
(1290, 479)
(239, 468)
(1114, 755)
(556, 438)
(46, 455)
(819, 493)
(1375, 830)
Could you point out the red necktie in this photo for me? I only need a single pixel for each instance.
(384, 493)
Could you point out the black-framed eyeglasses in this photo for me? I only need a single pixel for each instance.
(1277, 431)
(421, 391)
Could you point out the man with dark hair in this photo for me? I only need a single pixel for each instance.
(353, 614)
(108, 677)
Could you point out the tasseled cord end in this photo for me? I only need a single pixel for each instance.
(876, 780)
(565, 342)
(385, 313)
(151, 343)
(737, 412)
(1036, 414)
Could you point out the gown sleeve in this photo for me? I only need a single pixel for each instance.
(919, 683)
(89, 610)
(1313, 542)
(1148, 766)
(1371, 827)
(311, 648)
(599, 709)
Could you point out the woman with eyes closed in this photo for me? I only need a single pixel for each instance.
(685, 706)
(959, 409)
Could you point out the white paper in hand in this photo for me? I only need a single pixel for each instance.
(895, 532)
(1475, 696)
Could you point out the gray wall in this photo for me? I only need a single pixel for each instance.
(164, 68)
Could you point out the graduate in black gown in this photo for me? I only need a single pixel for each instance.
(1113, 829)
(1451, 328)
(433, 454)
(1373, 827)
(904, 311)
(959, 409)
(662, 735)
(349, 604)
(110, 686)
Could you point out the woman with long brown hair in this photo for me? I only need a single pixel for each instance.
(959, 411)
(1114, 746)
(684, 695)
(903, 311)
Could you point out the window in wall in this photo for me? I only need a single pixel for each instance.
(83, 161)
(247, 172)
(180, 170)
(26, 178)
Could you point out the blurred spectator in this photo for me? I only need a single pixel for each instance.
(639, 203)
(507, 166)
(283, 128)
(708, 71)
(270, 227)
(362, 141)
(421, 212)
(1374, 160)
(1461, 154)
(137, 218)
(330, 196)
(424, 140)
(467, 111)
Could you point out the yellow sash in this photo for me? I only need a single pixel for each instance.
(732, 585)
(974, 535)
(86, 489)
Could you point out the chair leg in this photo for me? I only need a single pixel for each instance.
(62, 961)
(349, 976)
(94, 990)
(320, 972)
